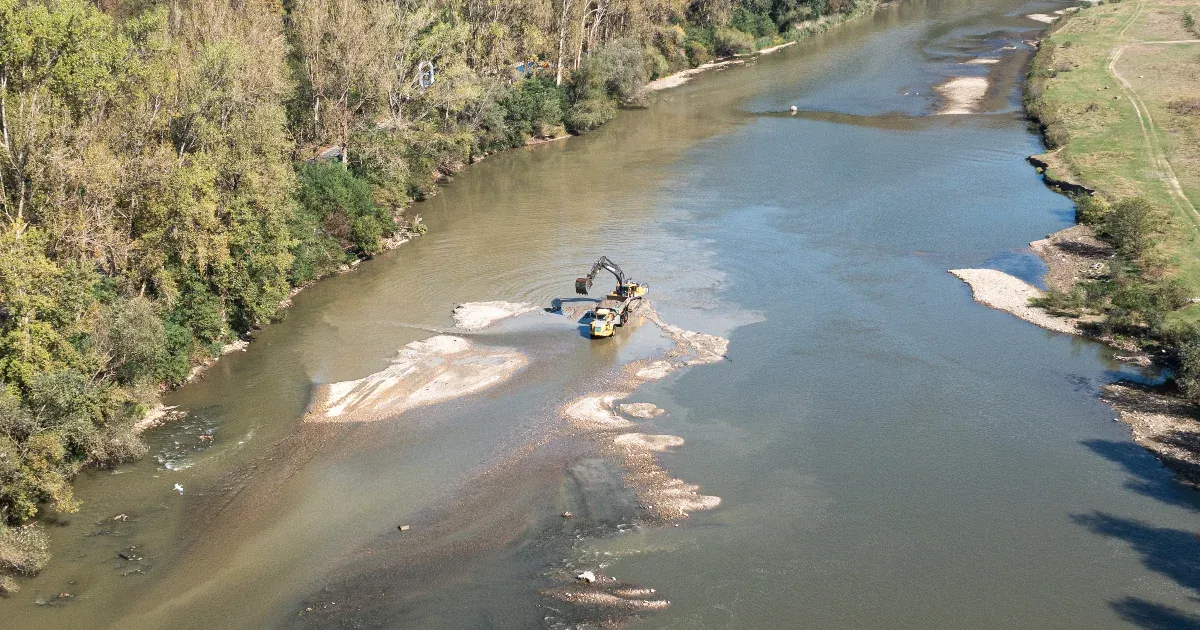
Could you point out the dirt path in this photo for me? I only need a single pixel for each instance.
(1154, 150)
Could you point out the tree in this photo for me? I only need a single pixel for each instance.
(1131, 226)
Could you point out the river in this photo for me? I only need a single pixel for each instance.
(888, 452)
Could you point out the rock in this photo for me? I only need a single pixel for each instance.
(121, 517)
(402, 528)
(179, 488)
(567, 515)
(587, 576)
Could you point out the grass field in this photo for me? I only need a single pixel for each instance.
(1120, 94)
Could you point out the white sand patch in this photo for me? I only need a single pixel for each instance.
(777, 48)
(981, 61)
(641, 410)
(1010, 294)
(159, 414)
(1042, 17)
(683, 76)
(651, 443)
(425, 372)
(962, 94)
(479, 315)
(700, 347)
(655, 371)
(595, 412)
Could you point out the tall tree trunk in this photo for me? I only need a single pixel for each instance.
(563, 22)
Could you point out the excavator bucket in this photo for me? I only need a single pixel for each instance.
(582, 285)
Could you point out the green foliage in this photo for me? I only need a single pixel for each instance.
(728, 42)
(589, 114)
(756, 24)
(1131, 226)
(343, 205)
(133, 340)
(156, 198)
(23, 551)
(1187, 374)
(1061, 303)
(533, 108)
(1090, 210)
(618, 71)
(698, 54)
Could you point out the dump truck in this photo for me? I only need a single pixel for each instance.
(617, 306)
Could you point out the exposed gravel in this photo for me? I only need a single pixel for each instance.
(1012, 295)
(1165, 425)
(1072, 255)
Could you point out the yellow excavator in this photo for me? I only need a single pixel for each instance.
(616, 307)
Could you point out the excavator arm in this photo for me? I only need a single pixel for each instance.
(583, 284)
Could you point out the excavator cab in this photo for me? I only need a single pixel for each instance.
(616, 307)
(628, 290)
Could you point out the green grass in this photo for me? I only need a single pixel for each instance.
(1103, 143)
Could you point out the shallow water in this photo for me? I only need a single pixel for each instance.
(888, 452)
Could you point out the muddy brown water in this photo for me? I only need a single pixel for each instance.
(888, 452)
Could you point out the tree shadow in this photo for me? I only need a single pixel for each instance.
(1147, 614)
(1148, 477)
(1174, 553)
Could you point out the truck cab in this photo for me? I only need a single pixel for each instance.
(603, 322)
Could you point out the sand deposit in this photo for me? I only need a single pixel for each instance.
(982, 61)
(662, 498)
(683, 76)
(425, 372)
(603, 597)
(160, 414)
(696, 348)
(480, 315)
(1012, 295)
(775, 48)
(1042, 17)
(595, 412)
(649, 443)
(644, 411)
(962, 95)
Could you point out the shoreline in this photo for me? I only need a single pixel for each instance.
(801, 31)
(159, 413)
(1159, 419)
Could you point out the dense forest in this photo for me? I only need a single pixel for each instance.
(170, 171)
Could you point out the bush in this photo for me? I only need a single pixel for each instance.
(345, 207)
(617, 70)
(1061, 303)
(1131, 226)
(1187, 376)
(671, 42)
(132, 337)
(589, 114)
(23, 551)
(533, 108)
(1090, 210)
(756, 24)
(380, 159)
(698, 54)
(728, 42)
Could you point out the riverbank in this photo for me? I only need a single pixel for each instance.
(1110, 139)
(157, 414)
